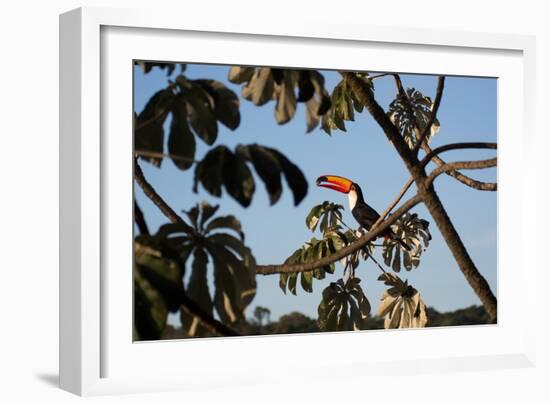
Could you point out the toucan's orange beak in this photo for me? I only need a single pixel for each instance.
(338, 183)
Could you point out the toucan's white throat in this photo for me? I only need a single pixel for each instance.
(352, 198)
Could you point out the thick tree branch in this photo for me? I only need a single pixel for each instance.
(473, 183)
(345, 251)
(465, 263)
(435, 108)
(427, 193)
(151, 193)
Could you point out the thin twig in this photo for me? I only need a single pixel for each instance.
(153, 154)
(455, 146)
(207, 320)
(394, 203)
(374, 77)
(453, 166)
(355, 236)
(435, 107)
(468, 181)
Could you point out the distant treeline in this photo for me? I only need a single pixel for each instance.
(296, 322)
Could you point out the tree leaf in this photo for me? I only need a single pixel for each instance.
(150, 312)
(267, 166)
(149, 132)
(164, 274)
(209, 171)
(239, 75)
(229, 222)
(181, 142)
(207, 212)
(294, 177)
(286, 100)
(237, 179)
(226, 103)
(260, 88)
(312, 218)
(201, 114)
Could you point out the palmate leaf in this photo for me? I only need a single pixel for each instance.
(411, 114)
(344, 306)
(226, 103)
(344, 104)
(162, 257)
(222, 167)
(233, 263)
(414, 232)
(312, 250)
(263, 84)
(196, 107)
(327, 214)
(149, 131)
(401, 305)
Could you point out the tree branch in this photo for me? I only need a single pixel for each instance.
(437, 101)
(215, 326)
(427, 194)
(455, 146)
(394, 203)
(364, 95)
(152, 154)
(187, 304)
(432, 155)
(459, 165)
(347, 250)
(152, 194)
(140, 219)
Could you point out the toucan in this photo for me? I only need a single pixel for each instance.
(364, 214)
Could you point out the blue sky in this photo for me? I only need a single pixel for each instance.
(467, 113)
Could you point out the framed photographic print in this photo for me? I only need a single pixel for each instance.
(237, 196)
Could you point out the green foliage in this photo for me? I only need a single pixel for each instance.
(263, 84)
(327, 214)
(413, 231)
(161, 263)
(196, 107)
(314, 249)
(401, 304)
(344, 306)
(344, 103)
(411, 112)
(221, 167)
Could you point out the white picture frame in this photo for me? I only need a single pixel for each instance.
(96, 354)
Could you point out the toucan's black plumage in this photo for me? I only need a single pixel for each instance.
(364, 214)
